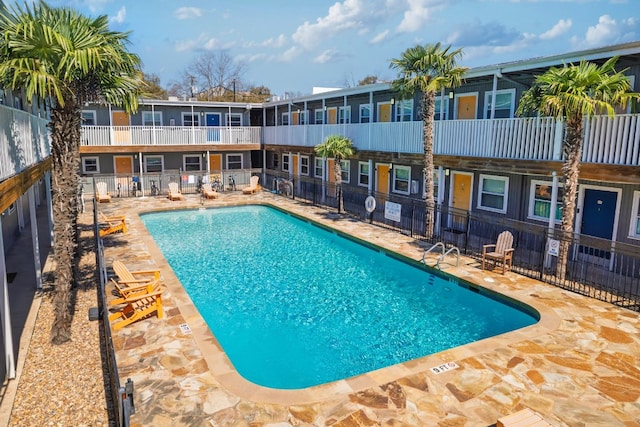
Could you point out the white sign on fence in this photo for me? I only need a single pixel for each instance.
(392, 211)
(554, 245)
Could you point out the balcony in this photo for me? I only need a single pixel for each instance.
(24, 141)
(96, 136)
(607, 140)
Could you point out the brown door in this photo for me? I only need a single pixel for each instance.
(382, 178)
(332, 118)
(124, 170)
(295, 118)
(120, 121)
(215, 163)
(461, 184)
(466, 107)
(384, 113)
(295, 164)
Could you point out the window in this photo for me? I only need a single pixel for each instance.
(11, 209)
(189, 119)
(302, 118)
(276, 160)
(504, 104)
(234, 161)
(285, 119)
(304, 165)
(540, 201)
(319, 117)
(234, 119)
(365, 113)
(401, 179)
(191, 162)
(318, 165)
(445, 112)
(345, 166)
(88, 118)
(285, 162)
(634, 230)
(153, 163)
(152, 118)
(404, 110)
(344, 115)
(363, 174)
(90, 165)
(493, 193)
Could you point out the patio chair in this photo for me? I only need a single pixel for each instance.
(209, 193)
(110, 225)
(500, 252)
(124, 291)
(174, 192)
(524, 418)
(132, 277)
(102, 195)
(253, 185)
(137, 307)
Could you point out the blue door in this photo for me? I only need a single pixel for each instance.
(598, 217)
(213, 120)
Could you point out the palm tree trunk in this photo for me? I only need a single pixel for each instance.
(571, 172)
(428, 111)
(65, 153)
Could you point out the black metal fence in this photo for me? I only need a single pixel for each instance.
(599, 268)
(121, 397)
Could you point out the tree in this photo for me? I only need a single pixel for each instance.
(339, 148)
(60, 55)
(216, 74)
(151, 87)
(573, 93)
(368, 80)
(428, 69)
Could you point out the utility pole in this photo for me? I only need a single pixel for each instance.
(234, 89)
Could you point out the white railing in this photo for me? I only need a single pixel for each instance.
(168, 135)
(24, 141)
(612, 141)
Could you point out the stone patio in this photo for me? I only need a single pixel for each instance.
(578, 366)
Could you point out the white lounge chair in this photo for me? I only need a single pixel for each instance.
(174, 192)
(102, 195)
(253, 185)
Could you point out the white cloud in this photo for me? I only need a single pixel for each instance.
(271, 42)
(561, 27)
(341, 17)
(327, 56)
(380, 37)
(183, 13)
(609, 31)
(289, 55)
(416, 15)
(119, 17)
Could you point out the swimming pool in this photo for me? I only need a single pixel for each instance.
(294, 305)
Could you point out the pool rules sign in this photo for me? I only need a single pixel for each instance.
(392, 211)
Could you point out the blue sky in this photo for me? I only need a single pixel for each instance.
(292, 46)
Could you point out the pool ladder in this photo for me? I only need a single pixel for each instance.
(445, 252)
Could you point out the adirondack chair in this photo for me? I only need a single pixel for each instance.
(102, 195)
(138, 307)
(253, 185)
(499, 252)
(174, 192)
(110, 225)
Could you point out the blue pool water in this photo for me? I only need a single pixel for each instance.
(294, 305)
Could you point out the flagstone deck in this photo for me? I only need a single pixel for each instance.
(578, 366)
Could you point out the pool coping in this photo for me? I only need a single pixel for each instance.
(224, 372)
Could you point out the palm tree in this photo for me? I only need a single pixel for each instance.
(574, 93)
(339, 148)
(63, 57)
(428, 69)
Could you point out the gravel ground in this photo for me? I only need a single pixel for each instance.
(62, 385)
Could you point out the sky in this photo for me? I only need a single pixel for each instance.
(292, 46)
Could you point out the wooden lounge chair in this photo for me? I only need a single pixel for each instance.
(174, 192)
(132, 277)
(500, 252)
(102, 195)
(253, 185)
(126, 290)
(209, 193)
(137, 307)
(523, 418)
(112, 225)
